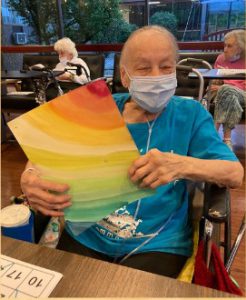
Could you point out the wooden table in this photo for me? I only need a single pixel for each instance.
(87, 277)
(22, 74)
(28, 74)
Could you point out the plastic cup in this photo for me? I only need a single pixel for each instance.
(17, 221)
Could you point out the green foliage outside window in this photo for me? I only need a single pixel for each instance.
(165, 19)
(84, 20)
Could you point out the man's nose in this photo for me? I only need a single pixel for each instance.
(155, 71)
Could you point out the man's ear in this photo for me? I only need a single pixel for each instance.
(124, 78)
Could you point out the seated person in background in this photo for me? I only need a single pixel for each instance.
(177, 140)
(230, 96)
(68, 54)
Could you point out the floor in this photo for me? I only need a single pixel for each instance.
(238, 208)
(13, 162)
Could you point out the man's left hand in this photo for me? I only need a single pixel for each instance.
(155, 168)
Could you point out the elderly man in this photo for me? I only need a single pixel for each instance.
(177, 141)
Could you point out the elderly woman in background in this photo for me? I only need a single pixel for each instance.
(68, 80)
(230, 98)
(68, 54)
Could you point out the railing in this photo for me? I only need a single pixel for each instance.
(218, 35)
(100, 48)
(203, 46)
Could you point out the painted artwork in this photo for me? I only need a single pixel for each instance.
(81, 139)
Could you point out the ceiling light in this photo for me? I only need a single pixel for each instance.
(154, 2)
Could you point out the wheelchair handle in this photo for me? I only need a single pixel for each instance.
(184, 68)
(196, 60)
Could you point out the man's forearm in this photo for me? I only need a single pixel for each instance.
(221, 172)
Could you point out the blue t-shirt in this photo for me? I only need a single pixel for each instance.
(159, 222)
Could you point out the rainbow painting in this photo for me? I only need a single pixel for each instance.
(80, 138)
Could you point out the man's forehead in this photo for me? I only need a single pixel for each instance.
(142, 36)
(142, 42)
(146, 44)
(141, 49)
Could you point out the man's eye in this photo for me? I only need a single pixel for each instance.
(143, 68)
(165, 68)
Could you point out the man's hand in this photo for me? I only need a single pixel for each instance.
(45, 196)
(155, 168)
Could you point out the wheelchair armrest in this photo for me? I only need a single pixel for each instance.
(216, 203)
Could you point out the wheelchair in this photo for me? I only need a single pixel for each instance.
(215, 219)
(57, 88)
(216, 209)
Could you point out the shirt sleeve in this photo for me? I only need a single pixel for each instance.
(205, 142)
(120, 99)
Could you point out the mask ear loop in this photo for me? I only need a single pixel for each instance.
(127, 73)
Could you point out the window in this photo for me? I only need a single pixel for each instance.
(111, 21)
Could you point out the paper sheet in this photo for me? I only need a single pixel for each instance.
(81, 139)
(23, 280)
(231, 71)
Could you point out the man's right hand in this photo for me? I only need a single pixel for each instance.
(48, 197)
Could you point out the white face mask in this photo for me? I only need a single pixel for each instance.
(63, 60)
(152, 93)
(234, 58)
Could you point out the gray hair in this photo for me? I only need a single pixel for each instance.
(65, 44)
(157, 28)
(239, 35)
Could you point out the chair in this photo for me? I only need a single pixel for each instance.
(95, 63)
(209, 211)
(20, 103)
(117, 86)
(208, 56)
(186, 86)
(194, 88)
(214, 209)
(217, 210)
(210, 203)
